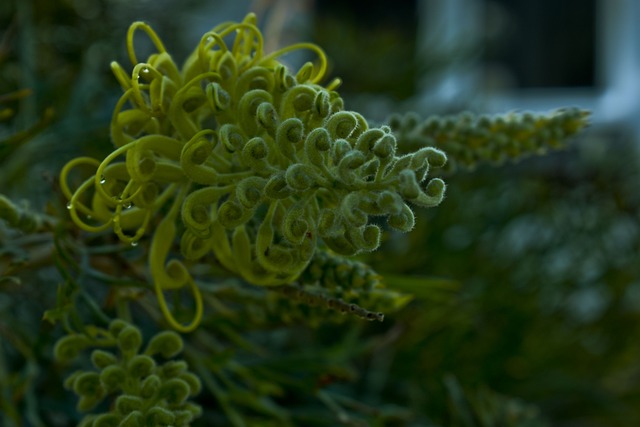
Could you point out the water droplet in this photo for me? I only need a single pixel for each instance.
(209, 39)
(144, 70)
(127, 205)
(134, 243)
(69, 206)
(102, 179)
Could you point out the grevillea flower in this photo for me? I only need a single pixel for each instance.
(234, 156)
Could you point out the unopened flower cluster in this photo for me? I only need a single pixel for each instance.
(469, 139)
(235, 156)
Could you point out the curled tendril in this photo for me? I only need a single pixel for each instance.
(235, 156)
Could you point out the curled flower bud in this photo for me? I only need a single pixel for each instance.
(101, 359)
(140, 366)
(249, 191)
(68, 347)
(219, 99)
(267, 117)
(255, 154)
(304, 74)
(231, 137)
(166, 343)
(300, 176)
(125, 404)
(277, 188)
(403, 221)
(341, 124)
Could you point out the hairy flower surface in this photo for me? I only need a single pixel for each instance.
(234, 155)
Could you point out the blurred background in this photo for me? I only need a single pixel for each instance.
(542, 324)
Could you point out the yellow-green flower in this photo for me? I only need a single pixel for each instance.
(236, 156)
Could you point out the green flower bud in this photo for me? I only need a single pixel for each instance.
(125, 404)
(219, 99)
(365, 238)
(101, 359)
(295, 225)
(150, 386)
(231, 137)
(368, 139)
(289, 135)
(116, 326)
(254, 154)
(389, 203)
(341, 124)
(175, 390)
(113, 377)
(267, 117)
(321, 104)
(408, 185)
(301, 97)
(277, 188)
(249, 191)
(304, 73)
(340, 148)
(385, 147)
(167, 343)
(248, 110)
(318, 142)
(404, 221)
(232, 214)
(300, 176)
(68, 347)
(195, 385)
(283, 80)
(140, 366)
(348, 164)
(88, 384)
(129, 340)
(434, 193)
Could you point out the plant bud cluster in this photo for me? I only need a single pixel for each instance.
(144, 392)
(469, 139)
(234, 156)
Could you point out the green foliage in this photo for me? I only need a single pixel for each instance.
(486, 408)
(143, 391)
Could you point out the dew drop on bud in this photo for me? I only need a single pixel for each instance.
(134, 243)
(102, 179)
(69, 205)
(126, 205)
